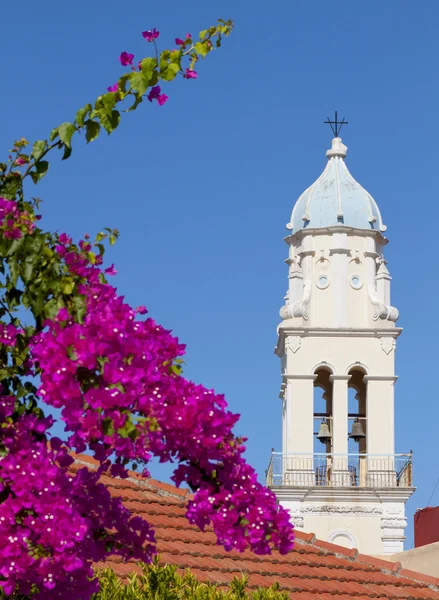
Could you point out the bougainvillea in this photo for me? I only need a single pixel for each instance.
(115, 378)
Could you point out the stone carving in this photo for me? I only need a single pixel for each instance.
(393, 523)
(380, 310)
(293, 343)
(354, 509)
(387, 344)
(297, 521)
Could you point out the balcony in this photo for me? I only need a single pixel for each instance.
(335, 470)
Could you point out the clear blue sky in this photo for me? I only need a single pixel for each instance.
(201, 188)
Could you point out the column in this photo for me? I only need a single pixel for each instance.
(298, 461)
(340, 470)
(380, 430)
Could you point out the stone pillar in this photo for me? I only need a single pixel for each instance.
(340, 471)
(380, 430)
(298, 466)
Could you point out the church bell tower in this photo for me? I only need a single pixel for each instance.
(338, 473)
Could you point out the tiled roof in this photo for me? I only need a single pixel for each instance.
(314, 570)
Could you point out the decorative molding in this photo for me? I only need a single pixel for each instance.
(339, 377)
(388, 344)
(307, 376)
(342, 510)
(287, 328)
(298, 521)
(393, 523)
(340, 533)
(392, 378)
(293, 342)
(380, 310)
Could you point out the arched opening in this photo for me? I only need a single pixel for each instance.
(322, 410)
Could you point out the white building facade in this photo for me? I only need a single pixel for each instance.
(338, 473)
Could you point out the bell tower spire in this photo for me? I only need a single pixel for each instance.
(338, 473)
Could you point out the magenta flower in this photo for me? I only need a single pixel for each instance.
(113, 88)
(20, 161)
(141, 310)
(151, 34)
(126, 59)
(179, 42)
(111, 271)
(155, 94)
(190, 74)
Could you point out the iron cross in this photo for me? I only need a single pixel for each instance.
(336, 125)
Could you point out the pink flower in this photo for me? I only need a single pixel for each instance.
(151, 34)
(189, 36)
(155, 94)
(126, 59)
(113, 88)
(20, 161)
(190, 74)
(141, 310)
(111, 271)
(179, 42)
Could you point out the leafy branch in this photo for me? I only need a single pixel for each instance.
(105, 113)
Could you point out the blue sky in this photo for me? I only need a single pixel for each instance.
(201, 188)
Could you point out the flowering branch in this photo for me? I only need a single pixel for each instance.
(116, 379)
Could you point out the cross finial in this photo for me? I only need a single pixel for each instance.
(336, 125)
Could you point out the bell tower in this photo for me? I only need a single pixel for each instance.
(338, 473)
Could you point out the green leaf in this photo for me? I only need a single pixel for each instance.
(66, 130)
(138, 100)
(68, 285)
(53, 134)
(92, 130)
(82, 113)
(109, 122)
(201, 48)
(148, 64)
(38, 148)
(109, 102)
(139, 82)
(168, 71)
(67, 152)
(10, 187)
(41, 169)
(123, 82)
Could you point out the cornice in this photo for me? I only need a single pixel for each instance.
(306, 376)
(301, 233)
(353, 495)
(380, 378)
(286, 329)
(339, 377)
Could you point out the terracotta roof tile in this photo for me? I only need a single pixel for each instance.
(314, 570)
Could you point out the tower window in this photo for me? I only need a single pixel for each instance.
(322, 281)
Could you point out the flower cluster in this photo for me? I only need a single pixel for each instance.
(115, 378)
(14, 223)
(116, 382)
(126, 59)
(8, 334)
(54, 523)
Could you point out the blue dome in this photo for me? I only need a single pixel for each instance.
(336, 199)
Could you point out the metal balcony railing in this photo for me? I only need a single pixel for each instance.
(337, 470)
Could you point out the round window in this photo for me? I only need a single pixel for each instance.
(356, 282)
(322, 281)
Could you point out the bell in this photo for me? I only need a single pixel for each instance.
(357, 432)
(324, 435)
